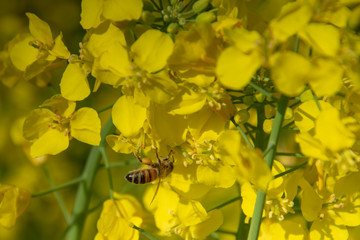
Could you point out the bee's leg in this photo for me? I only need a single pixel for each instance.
(137, 156)
(157, 155)
(171, 152)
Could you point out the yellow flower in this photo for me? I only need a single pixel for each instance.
(138, 71)
(249, 163)
(118, 216)
(93, 12)
(183, 217)
(13, 202)
(51, 129)
(238, 63)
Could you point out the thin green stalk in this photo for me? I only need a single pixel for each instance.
(290, 154)
(316, 100)
(108, 169)
(242, 133)
(82, 198)
(105, 108)
(57, 195)
(263, 91)
(156, 6)
(225, 203)
(57, 188)
(143, 232)
(274, 137)
(291, 170)
(243, 228)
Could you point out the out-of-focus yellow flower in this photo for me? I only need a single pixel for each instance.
(293, 17)
(195, 54)
(180, 216)
(13, 202)
(93, 12)
(249, 163)
(292, 227)
(118, 216)
(237, 63)
(51, 129)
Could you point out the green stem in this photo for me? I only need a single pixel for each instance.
(225, 203)
(291, 170)
(82, 198)
(274, 136)
(242, 133)
(57, 188)
(143, 232)
(105, 108)
(108, 169)
(263, 91)
(57, 195)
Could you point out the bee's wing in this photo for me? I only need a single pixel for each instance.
(157, 189)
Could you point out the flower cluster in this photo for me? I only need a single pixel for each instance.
(257, 102)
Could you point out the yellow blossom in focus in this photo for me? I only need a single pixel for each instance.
(51, 129)
(118, 216)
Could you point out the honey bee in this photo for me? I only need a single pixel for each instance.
(160, 169)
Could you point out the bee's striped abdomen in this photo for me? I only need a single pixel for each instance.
(142, 176)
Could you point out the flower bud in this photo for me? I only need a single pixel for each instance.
(206, 17)
(147, 17)
(200, 5)
(172, 28)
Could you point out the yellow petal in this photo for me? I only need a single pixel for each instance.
(332, 133)
(348, 214)
(205, 124)
(311, 203)
(39, 29)
(218, 176)
(116, 59)
(289, 71)
(85, 126)
(292, 18)
(235, 68)
(183, 180)
(118, 144)
(344, 185)
(60, 105)
(191, 212)
(37, 123)
(120, 10)
(21, 53)
(187, 102)
(169, 128)
(60, 50)
(152, 50)
(324, 38)
(128, 117)
(326, 77)
(102, 36)
(52, 142)
(203, 229)
(74, 85)
(160, 88)
(311, 147)
(8, 211)
(306, 114)
(327, 230)
(90, 13)
(292, 227)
